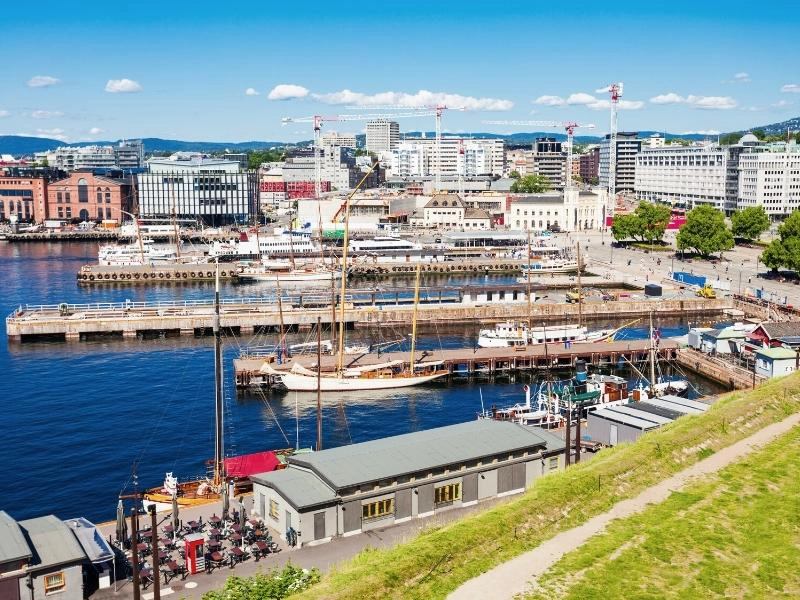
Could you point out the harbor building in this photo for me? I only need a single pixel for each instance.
(353, 489)
(382, 135)
(84, 196)
(571, 210)
(193, 186)
(628, 146)
(23, 197)
(686, 175)
(450, 211)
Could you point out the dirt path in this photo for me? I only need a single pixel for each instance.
(517, 575)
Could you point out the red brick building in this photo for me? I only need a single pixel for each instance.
(23, 197)
(84, 196)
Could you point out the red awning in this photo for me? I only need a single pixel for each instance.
(250, 464)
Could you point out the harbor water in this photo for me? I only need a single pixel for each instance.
(79, 415)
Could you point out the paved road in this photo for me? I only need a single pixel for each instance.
(519, 574)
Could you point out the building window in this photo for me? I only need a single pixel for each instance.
(447, 494)
(377, 510)
(273, 510)
(58, 197)
(83, 190)
(66, 197)
(69, 212)
(99, 197)
(552, 464)
(55, 582)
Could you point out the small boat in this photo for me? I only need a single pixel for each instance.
(383, 376)
(509, 334)
(547, 413)
(290, 276)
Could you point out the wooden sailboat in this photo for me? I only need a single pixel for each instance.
(383, 376)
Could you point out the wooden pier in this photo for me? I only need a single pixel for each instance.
(468, 362)
(244, 316)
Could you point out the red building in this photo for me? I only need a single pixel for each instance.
(84, 196)
(24, 198)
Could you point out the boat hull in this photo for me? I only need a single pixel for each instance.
(304, 383)
(289, 277)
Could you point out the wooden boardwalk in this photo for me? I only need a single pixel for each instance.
(480, 361)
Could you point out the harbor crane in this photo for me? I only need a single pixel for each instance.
(568, 126)
(318, 120)
(615, 90)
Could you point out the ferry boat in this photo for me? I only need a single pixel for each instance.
(255, 246)
(510, 334)
(150, 253)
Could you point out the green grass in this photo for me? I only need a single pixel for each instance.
(733, 534)
(438, 560)
(652, 247)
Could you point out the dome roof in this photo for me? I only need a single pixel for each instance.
(748, 138)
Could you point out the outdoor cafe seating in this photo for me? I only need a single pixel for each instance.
(146, 577)
(173, 569)
(237, 555)
(214, 560)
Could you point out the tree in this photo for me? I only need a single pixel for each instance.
(646, 224)
(774, 256)
(595, 180)
(750, 223)
(514, 175)
(625, 227)
(531, 184)
(273, 585)
(705, 231)
(257, 157)
(785, 252)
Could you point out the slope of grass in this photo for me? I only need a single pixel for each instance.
(734, 534)
(440, 559)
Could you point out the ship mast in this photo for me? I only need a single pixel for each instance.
(580, 290)
(175, 230)
(530, 308)
(219, 457)
(652, 359)
(412, 358)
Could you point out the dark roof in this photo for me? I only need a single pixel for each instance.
(387, 458)
(658, 410)
(13, 546)
(52, 542)
(476, 213)
(777, 330)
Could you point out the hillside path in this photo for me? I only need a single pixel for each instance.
(518, 574)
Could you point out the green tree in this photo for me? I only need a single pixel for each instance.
(646, 224)
(273, 585)
(514, 175)
(759, 133)
(530, 184)
(749, 223)
(705, 231)
(595, 180)
(256, 158)
(625, 227)
(785, 252)
(774, 256)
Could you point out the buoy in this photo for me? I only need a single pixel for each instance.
(114, 276)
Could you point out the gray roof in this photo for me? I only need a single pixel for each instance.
(391, 457)
(679, 404)
(94, 545)
(299, 487)
(13, 546)
(52, 542)
(640, 414)
(624, 419)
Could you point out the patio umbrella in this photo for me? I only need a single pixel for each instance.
(174, 516)
(242, 516)
(122, 524)
(225, 504)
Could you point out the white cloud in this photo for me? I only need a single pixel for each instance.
(46, 114)
(594, 103)
(420, 99)
(781, 104)
(42, 81)
(287, 91)
(581, 98)
(95, 131)
(56, 133)
(4, 113)
(123, 86)
(791, 87)
(741, 77)
(701, 132)
(250, 92)
(670, 98)
(550, 101)
(704, 102)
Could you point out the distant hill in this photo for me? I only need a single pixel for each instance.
(19, 145)
(792, 124)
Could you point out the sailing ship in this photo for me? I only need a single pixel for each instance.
(288, 275)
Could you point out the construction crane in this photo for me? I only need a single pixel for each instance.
(615, 89)
(568, 126)
(318, 120)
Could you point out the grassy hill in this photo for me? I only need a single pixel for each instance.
(440, 559)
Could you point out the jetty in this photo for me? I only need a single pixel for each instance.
(469, 362)
(480, 305)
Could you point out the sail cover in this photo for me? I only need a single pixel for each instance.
(250, 464)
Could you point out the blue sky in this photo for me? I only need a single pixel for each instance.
(92, 70)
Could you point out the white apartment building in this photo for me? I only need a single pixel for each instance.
(408, 160)
(479, 157)
(628, 146)
(687, 175)
(196, 187)
(126, 155)
(334, 138)
(382, 135)
(572, 210)
(769, 176)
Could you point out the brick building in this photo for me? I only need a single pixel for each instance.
(589, 164)
(84, 196)
(23, 197)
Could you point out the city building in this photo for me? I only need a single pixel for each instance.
(24, 198)
(193, 186)
(357, 488)
(548, 160)
(450, 211)
(628, 146)
(517, 160)
(382, 135)
(126, 155)
(655, 141)
(468, 158)
(590, 165)
(84, 196)
(407, 160)
(571, 210)
(682, 175)
(769, 176)
(334, 138)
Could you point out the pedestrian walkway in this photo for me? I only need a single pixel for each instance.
(517, 575)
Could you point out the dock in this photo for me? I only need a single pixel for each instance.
(468, 362)
(245, 316)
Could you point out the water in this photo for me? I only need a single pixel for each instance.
(78, 415)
